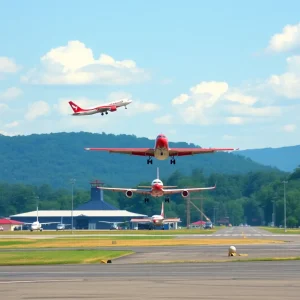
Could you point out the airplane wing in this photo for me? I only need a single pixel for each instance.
(111, 222)
(192, 151)
(48, 223)
(130, 151)
(171, 220)
(137, 191)
(176, 191)
(24, 223)
(141, 220)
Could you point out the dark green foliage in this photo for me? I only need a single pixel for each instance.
(55, 158)
(244, 198)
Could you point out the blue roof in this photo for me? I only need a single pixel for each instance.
(97, 202)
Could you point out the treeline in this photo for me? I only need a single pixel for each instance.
(249, 198)
(57, 157)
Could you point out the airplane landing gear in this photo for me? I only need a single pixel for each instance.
(173, 161)
(101, 114)
(146, 200)
(149, 161)
(167, 199)
(106, 112)
(125, 107)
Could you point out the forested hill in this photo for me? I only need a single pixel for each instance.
(284, 158)
(55, 158)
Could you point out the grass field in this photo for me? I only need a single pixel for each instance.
(58, 257)
(81, 243)
(113, 232)
(281, 230)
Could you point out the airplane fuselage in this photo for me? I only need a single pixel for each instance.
(157, 220)
(36, 226)
(161, 148)
(92, 111)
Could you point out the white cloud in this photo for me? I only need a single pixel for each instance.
(12, 124)
(37, 109)
(180, 99)
(75, 64)
(11, 93)
(166, 119)
(8, 65)
(244, 110)
(3, 107)
(137, 107)
(209, 102)
(201, 98)
(235, 120)
(287, 40)
(287, 84)
(289, 127)
(240, 98)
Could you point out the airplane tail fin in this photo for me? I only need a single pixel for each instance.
(162, 210)
(75, 107)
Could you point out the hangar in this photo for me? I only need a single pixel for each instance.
(85, 216)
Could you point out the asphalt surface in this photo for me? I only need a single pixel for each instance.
(132, 278)
(263, 280)
(160, 254)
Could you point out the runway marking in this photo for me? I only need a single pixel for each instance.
(37, 281)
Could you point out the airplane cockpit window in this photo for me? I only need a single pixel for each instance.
(159, 136)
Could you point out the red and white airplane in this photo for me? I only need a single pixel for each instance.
(105, 108)
(157, 189)
(161, 150)
(157, 220)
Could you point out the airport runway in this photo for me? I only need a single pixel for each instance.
(160, 254)
(228, 232)
(235, 281)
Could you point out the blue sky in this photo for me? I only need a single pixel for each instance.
(223, 74)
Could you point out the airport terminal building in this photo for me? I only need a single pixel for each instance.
(85, 216)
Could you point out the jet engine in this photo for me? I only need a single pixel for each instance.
(113, 108)
(128, 194)
(184, 193)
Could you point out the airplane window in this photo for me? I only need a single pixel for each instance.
(159, 136)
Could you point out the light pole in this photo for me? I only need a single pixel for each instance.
(284, 183)
(72, 182)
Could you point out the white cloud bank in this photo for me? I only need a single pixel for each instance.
(215, 102)
(75, 64)
(288, 39)
(37, 109)
(289, 127)
(7, 66)
(10, 93)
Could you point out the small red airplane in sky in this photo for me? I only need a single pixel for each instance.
(161, 150)
(105, 108)
(157, 189)
(157, 220)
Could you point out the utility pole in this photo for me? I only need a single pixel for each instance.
(188, 212)
(273, 214)
(215, 208)
(284, 183)
(72, 182)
